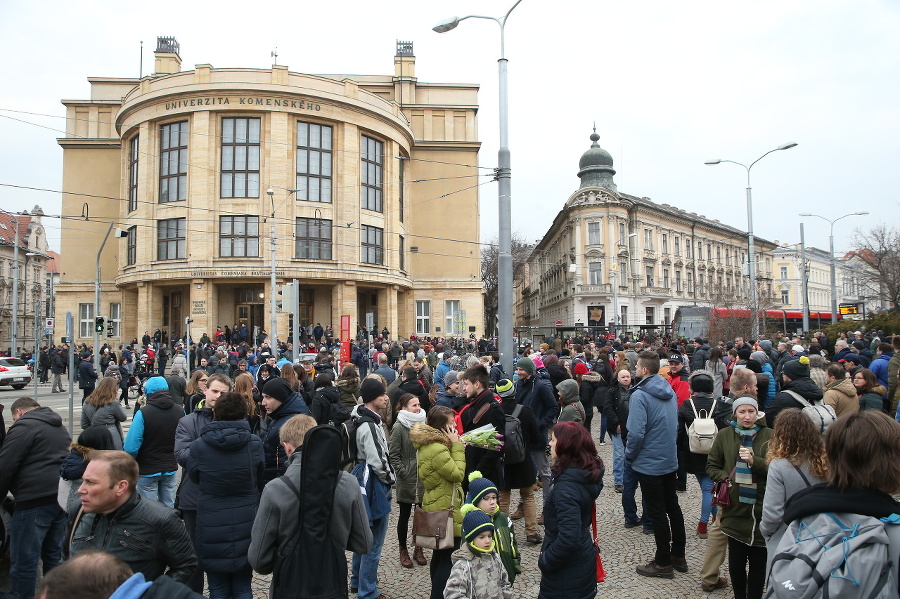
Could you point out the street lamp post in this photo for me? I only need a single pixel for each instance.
(505, 339)
(834, 302)
(751, 251)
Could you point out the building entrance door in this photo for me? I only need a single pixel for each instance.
(251, 315)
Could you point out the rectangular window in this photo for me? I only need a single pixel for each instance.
(593, 233)
(699, 250)
(648, 239)
(623, 317)
(173, 147)
(313, 239)
(666, 278)
(170, 234)
(785, 297)
(240, 158)
(709, 252)
(667, 315)
(665, 243)
(622, 233)
(650, 314)
(687, 249)
(678, 281)
(451, 307)
(314, 162)
(701, 283)
(133, 174)
(595, 270)
(131, 244)
(784, 274)
(718, 254)
(239, 236)
(115, 318)
(649, 272)
(402, 250)
(371, 157)
(400, 191)
(372, 245)
(677, 246)
(423, 317)
(690, 282)
(85, 320)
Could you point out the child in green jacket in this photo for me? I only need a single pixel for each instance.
(484, 495)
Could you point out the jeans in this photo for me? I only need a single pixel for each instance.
(668, 521)
(230, 585)
(629, 505)
(746, 584)
(364, 568)
(618, 459)
(543, 470)
(706, 506)
(158, 488)
(35, 534)
(603, 427)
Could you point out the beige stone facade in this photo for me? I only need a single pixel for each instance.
(660, 257)
(181, 162)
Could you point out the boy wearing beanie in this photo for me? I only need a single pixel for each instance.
(477, 571)
(484, 495)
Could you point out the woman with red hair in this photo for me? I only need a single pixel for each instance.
(567, 562)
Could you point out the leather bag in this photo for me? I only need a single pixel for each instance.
(433, 529)
(720, 490)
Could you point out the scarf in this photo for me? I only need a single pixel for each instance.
(743, 475)
(407, 418)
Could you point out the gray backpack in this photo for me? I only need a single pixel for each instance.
(833, 555)
(820, 414)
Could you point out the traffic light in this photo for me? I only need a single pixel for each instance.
(99, 324)
(109, 329)
(287, 293)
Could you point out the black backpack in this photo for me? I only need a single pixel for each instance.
(514, 451)
(312, 565)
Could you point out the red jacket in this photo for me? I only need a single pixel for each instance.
(681, 387)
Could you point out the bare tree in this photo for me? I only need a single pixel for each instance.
(490, 253)
(879, 249)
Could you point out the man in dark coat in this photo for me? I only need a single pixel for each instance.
(87, 376)
(795, 378)
(701, 354)
(534, 392)
(483, 409)
(410, 383)
(281, 403)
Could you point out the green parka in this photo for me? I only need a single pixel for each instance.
(442, 466)
(402, 455)
(741, 520)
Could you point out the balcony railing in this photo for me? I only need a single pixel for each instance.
(656, 292)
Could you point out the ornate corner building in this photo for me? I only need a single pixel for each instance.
(608, 252)
(367, 174)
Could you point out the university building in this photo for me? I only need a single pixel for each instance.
(606, 249)
(181, 162)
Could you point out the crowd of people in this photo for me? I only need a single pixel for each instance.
(244, 459)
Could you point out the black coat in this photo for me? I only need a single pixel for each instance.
(804, 387)
(484, 460)
(616, 410)
(276, 458)
(521, 475)
(227, 464)
(695, 463)
(567, 561)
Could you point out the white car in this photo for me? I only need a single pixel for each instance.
(15, 372)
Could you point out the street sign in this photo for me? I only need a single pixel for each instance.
(559, 323)
(49, 324)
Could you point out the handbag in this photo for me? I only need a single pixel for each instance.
(601, 571)
(720, 490)
(433, 529)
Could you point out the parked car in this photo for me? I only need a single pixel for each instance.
(15, 372)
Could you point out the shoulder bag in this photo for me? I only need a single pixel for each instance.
(433, 529)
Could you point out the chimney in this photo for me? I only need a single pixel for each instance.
(167, 59)
(404, 61)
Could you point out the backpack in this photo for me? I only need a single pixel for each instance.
(347, 429)
(514, 451)
(821, 415)
(832, 555)
(702, 431)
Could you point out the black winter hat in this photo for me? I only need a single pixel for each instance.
(277, 388)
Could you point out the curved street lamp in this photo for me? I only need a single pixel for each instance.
(751, 253)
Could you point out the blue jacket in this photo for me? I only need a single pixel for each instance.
(770, 393)
(442, 369)
(226, 463)
(879, 368)
(652, 427)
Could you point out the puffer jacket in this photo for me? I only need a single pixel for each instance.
(567, 560)
(872, 400)
(652, 427)
(741, 520)
(227, 465)
(145, 534)
(35, 446)
(442, 466)
(402, 454)
(476, 576)
(349, 392)
(841, 395)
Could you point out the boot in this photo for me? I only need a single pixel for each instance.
(404, 557)
(419, 556)
(540, 519)
(519, 513)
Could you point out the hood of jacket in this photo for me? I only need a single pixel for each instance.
(421, 435)
(592, 377)
(577, 476)
(351, 386)
(227, 435)
(330, 393)
(161, 399)
(825, 498)
(806, 388)
(843, 386)
(292, 406)
(658, 387)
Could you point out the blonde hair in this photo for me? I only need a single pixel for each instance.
(243, 386)
(294, 430)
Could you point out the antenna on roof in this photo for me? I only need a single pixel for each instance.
(275, 54)
(141, 65)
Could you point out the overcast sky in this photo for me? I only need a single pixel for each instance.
(669, 85)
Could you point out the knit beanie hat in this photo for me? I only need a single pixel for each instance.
(371, 389)
(581, 368)
(538, 361)
(277, 388)
(760, 357)
(701, 381)
(479, 486)
(451, 377)
(797, 369)
(475, 522)
(154, 384)
(527, 365)
(504, 388)
(568, 389)
(744, 353)
(743, 401)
